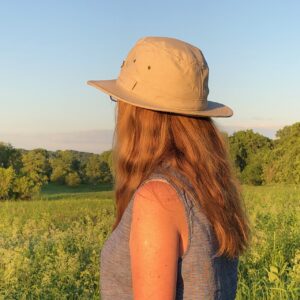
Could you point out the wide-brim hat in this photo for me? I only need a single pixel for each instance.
(164, 74)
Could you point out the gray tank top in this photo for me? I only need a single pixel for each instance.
(201, 275)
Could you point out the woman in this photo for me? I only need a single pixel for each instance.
(180, 225)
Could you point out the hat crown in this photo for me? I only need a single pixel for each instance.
(166, 71)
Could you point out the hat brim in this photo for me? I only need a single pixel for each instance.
(110, 87)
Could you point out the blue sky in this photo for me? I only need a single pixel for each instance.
(49, 49)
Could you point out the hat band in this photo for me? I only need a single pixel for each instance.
(153, 96)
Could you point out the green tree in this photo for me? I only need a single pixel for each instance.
(9, 156)
(249, 152)
(105, 172)
(92, 169)
(284, 161)
(107, 156)
(36, 166)
(72, 179)
(252, 174)
(98, 170)
(24, 187)
(7, 177)
(62, 164)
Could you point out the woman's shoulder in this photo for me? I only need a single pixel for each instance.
(159, 199)
(158, 194)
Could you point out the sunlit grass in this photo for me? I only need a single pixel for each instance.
(49, 248)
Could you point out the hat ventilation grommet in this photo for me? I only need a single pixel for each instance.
(134, 85)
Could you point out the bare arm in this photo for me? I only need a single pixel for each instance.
(154, 242)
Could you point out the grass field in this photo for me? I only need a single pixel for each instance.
(49, 247)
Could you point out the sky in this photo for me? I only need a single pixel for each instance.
(49, 49)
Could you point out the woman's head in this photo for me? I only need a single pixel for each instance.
(144, 139)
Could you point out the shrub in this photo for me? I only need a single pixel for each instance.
(72, 179)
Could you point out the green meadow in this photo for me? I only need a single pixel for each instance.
(50, 247)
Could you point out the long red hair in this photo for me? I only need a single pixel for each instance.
(143, 139)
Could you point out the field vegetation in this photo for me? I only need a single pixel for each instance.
(50, 246)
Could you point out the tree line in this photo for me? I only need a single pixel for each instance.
(24, 172)
(257, 160)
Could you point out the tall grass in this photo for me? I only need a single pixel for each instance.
(49, 248)
(271, 267)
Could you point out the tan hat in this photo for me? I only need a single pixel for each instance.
(164, 74)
